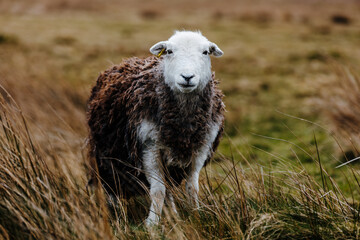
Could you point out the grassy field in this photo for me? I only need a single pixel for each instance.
(290, 77)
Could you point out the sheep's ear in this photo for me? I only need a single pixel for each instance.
(215, 50)
(159, 48)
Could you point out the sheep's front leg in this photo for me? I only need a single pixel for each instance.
(192, 182)
(155, 177)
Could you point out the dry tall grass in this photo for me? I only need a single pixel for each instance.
(42, 202)
(341, 103)
(39, 202)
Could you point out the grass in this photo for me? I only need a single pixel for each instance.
(289, 77)
(237, 201)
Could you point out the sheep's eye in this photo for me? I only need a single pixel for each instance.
(205, 52)
(169, 51)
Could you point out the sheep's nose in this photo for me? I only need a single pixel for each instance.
(187, 77)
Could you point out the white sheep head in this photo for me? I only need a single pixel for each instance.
(186, 60)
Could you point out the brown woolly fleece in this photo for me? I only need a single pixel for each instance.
(135, 90)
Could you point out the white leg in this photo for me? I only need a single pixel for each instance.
(154, 175)
(157, 196)
(192, 182)
(170, 201)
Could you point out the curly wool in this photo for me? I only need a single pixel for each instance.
(134, 91)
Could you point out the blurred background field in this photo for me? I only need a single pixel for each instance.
(289, 74)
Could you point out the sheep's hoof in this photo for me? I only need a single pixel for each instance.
(151, 223)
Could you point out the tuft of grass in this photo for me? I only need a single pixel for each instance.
(8, 39)
(150, 14)
(316, 56)
(340, 19)
(65, 40)
(260, 17)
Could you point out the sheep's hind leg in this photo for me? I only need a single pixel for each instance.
(154, 175)
(170, 201)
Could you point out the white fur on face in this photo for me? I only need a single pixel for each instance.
(186, 61)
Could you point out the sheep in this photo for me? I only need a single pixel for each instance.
(156, 121)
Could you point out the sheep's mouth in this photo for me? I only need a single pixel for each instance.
(186, 85)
